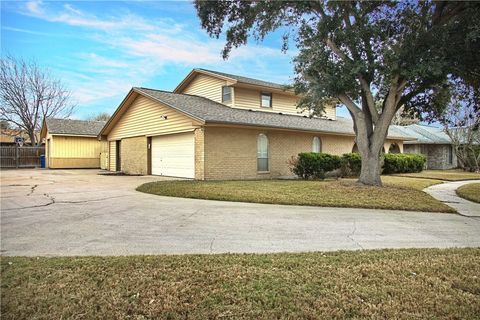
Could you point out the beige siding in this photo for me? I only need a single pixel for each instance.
(74, 151)
(206, 86)
(77, 147)
(246, 98)
(144, 117)
(48, 146)
(250, 99)
(74, 163)
(112, 155)
(331, 112)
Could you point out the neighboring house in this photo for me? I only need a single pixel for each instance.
(7, 137)
(220, 126)
(432, 142)
(72, 143)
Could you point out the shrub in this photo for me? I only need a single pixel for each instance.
(314, 165)
(403, 163)
(351, 164)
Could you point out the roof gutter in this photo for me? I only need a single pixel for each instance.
(346, 134)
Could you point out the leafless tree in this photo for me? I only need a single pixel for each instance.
(102, 116)
(28, 94)
(461, 121)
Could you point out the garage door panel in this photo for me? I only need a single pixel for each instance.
(174, 155)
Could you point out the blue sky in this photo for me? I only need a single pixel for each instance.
(101, 49)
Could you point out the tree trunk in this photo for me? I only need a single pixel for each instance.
(33, 138)
(371, 169)
(370, 142)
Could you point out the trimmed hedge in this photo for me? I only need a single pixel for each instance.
(314, 165)
(403, 163)
(351, 164)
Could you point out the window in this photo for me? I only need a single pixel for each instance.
(266, 100)
(450, 155)
(262, 153)
(226, 94)
(316, 145)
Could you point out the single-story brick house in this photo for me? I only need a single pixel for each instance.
(72, 143)
(432, 142)
(221, 126)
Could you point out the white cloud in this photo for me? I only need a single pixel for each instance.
(34, 7)
(141, 49)
(166, 49)
(98, 61)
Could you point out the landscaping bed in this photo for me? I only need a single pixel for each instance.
(470, 192)
(386, 284)
(398, 193)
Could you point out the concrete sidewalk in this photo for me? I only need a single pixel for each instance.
(77, 212)
(446, 192)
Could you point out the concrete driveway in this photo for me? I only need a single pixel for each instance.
(77, 212)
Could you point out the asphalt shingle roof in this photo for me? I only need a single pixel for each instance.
(77, 127)
(424, 134)
(210, 111)
(247, 80)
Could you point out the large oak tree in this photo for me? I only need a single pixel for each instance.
(361, 54)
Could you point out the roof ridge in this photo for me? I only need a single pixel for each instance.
(180, 94)
(74, 120)
(231, 75)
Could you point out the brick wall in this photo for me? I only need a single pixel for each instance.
(133, 153)
(199, 154)
(231, 153)
(437, 155)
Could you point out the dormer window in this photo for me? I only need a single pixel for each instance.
(266, 100)
(226, 94)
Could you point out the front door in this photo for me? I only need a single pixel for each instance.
(118, 157)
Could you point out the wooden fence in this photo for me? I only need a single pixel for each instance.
(20, 157)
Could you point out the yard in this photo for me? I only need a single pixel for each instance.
(445, 175)
(414, 283)
(398, 192)
(470, 192)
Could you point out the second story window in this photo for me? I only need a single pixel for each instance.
(266, 100)
(226, 94)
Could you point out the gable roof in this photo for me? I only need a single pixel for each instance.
(424, 134)
(210, 112)
(74, 127)
(232, 78)
(248, 80)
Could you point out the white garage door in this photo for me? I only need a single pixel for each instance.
(174, 155)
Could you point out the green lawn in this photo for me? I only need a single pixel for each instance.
(386, 284)
(446, 175)
(470, 192)
(397, 193)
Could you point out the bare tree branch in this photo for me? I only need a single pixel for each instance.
(29, 94)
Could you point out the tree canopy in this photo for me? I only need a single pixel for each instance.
(360, 53)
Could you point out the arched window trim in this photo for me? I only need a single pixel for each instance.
(394, 147)
(316, 148)
(355, 148)
(262, 153)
